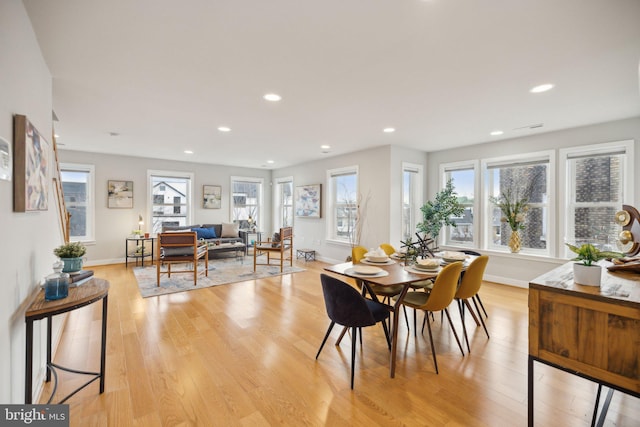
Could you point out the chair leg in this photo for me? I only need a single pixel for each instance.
(472, 312)
(353, 353)
(433, 349)
(325, 338)
(477, 297)
(464, 327)
(344, 331)
(481, 319)
(386, 334)
(455, 334)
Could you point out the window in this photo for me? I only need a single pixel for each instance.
(463, 176)
(171, 199)
(284, 203)
(342, 195)
(597, 182)
(246, 200)
(411, 198)
(78, 189)
(524, 176)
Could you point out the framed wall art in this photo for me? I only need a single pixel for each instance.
(6, 161)
(308, 201)
(211, 196)
(120, 194)
(31, 167)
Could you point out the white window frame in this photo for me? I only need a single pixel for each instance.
(331, 232)
(445, 169)
(89, 238)
(260, 205)
(278, 211)
(174, 174)
(548, 156)
(416, 197)
(567, 190)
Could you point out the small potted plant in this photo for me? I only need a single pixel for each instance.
(586, 272)
(71, 255)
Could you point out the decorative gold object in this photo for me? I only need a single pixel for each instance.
(625, 237)
(622, 218)
(515, 242)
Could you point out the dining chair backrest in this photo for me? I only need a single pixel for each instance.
(357, 253)
(472, 278)
(444, 288)
(344, 304)
(388, 249)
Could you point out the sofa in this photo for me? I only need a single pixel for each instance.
(218, 234)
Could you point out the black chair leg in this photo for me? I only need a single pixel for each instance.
(477, 297)
(464, 327)
(481, 319)
(325, 338)
(455, 334)
(433, 348)
(353, 352)
(344, 331)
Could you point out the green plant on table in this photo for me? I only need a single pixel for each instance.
(70, 250)
(588, 254)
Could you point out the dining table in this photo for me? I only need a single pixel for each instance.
(392, 273)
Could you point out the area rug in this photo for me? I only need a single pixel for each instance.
(221, 272)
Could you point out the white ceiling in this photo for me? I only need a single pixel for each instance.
(164, 74)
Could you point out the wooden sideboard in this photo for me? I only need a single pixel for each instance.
(588, 331)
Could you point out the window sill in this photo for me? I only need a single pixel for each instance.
(506, 254)
(338, 242)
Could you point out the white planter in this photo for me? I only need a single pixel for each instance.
(588, 275)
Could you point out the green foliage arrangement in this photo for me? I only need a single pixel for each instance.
(70, 250)
(589, 254)
(513, 209)
(438, 213)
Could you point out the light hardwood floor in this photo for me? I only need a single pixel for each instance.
(244, 355)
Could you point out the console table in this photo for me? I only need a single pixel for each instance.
(587, 331)
(92, 291)
(141, 256)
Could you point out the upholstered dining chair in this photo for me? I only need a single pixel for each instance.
(181, 248)
(345, 306)
(441, 295)
(476, 298)
(469, 287)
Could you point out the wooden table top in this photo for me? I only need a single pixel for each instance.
(398, 275)
(79, 296)
(618, 287)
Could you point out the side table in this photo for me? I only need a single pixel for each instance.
(79, 296)
(308, 254)
(135, 254)
(249, 237)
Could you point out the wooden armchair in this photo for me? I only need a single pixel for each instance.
(182, 248)
(284, 247)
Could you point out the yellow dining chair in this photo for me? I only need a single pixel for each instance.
(441, 295)
(469, 287)
(476, 298)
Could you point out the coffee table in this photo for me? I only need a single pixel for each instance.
(237, 247)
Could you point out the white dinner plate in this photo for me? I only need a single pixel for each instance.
(366, 269)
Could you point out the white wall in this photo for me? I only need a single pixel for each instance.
(28, 238)
(379, 179)
(520, 269)
(114, 225)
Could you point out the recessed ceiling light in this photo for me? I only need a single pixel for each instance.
(224, 129)
(325, 147)
(541, 88)
(272, 97)
(388, 130)
(188, 152)
(496, 133)
(270, 162)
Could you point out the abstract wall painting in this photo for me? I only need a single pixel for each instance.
(309, 201)
(31, 167)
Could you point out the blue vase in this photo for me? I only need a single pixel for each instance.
(71, 264)
(56, 285)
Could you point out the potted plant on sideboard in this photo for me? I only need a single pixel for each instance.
(586, 272)
(71, 255)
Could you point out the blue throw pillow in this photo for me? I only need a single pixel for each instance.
(205, 233)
